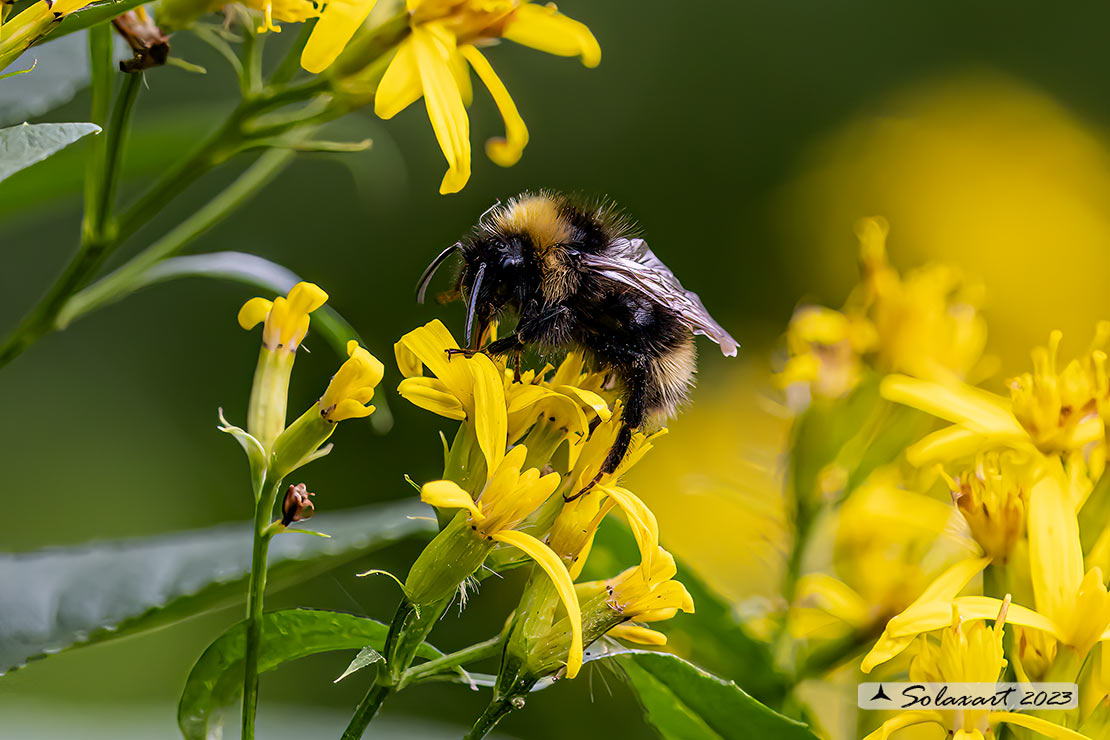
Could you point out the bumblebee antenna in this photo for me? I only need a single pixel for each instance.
(472, 304)
(430, 271)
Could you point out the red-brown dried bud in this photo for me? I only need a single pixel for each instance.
(297, 505)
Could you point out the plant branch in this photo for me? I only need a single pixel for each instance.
(122, 281)
(452, 661)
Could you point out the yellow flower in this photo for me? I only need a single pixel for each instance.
(469, 389)
(926, 322)
(553, 410)
(1053, 404)
(825, 348)
(352, 387)
(1050, 411)
(879, 522)
(993, 497)
(572, 534)
(1072, 607)
(648, 593)
(967, 654)
(596, 449)
(286, 319)
(434, 62)
(28, 27)
(507, 499)
(285, 325)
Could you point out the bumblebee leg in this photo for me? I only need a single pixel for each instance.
(502, 346)
(631, 418)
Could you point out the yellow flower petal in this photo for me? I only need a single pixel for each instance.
(903, 720)
(542, 27)
(254, 312)
(642, 522)
(430, 394)
(960, 404)
(507, 151)
(1036, 724)
(337, 24)
(446, 494)
(425, 347)
(938, 615)
(557, 572)
(958, 442)
(1055, 553)
(491, 423)
(400, 85)
(433, 45)
(636, 633)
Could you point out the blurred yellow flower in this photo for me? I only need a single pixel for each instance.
(1049, 411)
(1072, 607)
(925, 323)
(967, 653)
(980, 170)
(434, 62)
(993, 497)
(353, 385)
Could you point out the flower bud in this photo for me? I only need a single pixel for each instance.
(297, 505)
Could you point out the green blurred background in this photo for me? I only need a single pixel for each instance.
(746, 137)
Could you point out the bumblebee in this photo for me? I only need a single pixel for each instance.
(578, 276)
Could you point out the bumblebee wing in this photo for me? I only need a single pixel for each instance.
(631, 263)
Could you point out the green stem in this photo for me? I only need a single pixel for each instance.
(478, 651)
(115, 145)
(101, 177)
(291, 62)
(256, 590)
(407, 631)
(119, 283)
(494, 713)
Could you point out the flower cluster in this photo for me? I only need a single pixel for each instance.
(957, 513)
(520, 447)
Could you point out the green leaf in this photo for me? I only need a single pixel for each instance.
(269, 276)
(22, 146)
(719, 641)
(366, 656)
(60, 70)
(217, 678)
(151, 148)
(683, 702)
(62, 598)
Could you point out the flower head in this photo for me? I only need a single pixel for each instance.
(352, 387)
(1060, 407)
(647, 593)
(286, 319)
(993, 497)
(968, 652)
(434, 62)
(469, 389)
(508, 498)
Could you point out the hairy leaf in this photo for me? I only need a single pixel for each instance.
(66, 597)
